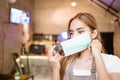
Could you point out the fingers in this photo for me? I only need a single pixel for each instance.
(53, 56)
(50, 52)
(96, 47)
(53, 59)
(59, 56)
(96, 43)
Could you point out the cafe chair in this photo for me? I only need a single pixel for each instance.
(20, 68)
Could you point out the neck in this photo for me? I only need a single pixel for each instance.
(86, 54)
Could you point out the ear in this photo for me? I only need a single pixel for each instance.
(94, 34)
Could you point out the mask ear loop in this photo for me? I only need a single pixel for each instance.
(89, 46)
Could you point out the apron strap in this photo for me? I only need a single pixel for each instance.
(93, 70)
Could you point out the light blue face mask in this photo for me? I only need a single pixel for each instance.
(76, 44)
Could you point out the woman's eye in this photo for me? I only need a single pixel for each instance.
(80, 32)
(71, 33)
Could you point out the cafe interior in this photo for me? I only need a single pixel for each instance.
(29, 27)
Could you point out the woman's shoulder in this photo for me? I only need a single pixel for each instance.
(109, 56)
(112, 62)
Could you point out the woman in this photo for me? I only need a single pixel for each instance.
(89, 64)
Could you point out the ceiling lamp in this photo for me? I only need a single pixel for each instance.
(73, 4)
(11, 1)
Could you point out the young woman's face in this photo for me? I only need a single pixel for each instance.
(77, 27)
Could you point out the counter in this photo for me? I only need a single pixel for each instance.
(38, 66)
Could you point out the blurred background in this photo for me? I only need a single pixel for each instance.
(29, 27)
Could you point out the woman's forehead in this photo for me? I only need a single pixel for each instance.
(76, 23)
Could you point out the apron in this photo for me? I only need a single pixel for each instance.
(69, 73)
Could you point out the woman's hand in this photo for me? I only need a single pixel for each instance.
(101, 70)
(96, 47)
(54, 58)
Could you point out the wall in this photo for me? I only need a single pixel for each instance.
(10, 34)
(117, 39)
(52, 16)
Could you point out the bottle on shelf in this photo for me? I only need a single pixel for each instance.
(17, 75)
(23, 50)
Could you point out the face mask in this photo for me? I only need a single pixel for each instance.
(76, 44)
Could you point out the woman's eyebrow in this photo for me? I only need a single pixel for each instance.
(70, 30)
(77, 29)
(80, 28)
